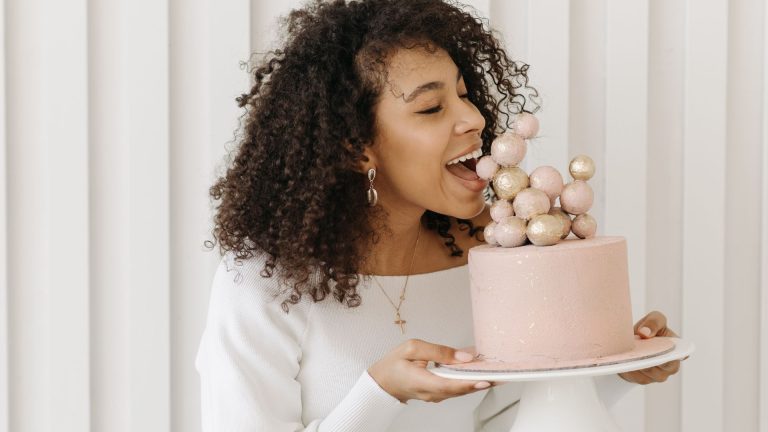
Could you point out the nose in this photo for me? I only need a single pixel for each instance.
(469, 119)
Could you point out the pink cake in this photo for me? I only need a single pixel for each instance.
(551, 305)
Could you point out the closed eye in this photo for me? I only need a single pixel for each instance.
(439, 108)
(432, 110)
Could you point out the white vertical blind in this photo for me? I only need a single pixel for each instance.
(625, 137)
(624, 155)
(110, 231)
(763, 331)
(117, 114)
(704, 177)
(549, 56)
(3, 239)
(28, 345)
(513, 29)
(145, 43)
(47, 118)
(743, 164)
(587, 80)
(664, 251)
(206, 48)
(190, 127)
(63, 118)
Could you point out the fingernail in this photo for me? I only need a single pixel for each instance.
(482, 385)
(645, 331)
(463, 356)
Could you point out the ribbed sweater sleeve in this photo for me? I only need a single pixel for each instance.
(249, 358)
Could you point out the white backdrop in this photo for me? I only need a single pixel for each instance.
(116, 116)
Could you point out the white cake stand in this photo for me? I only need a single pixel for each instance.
(565, 399)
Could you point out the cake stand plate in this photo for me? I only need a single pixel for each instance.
(565, 399)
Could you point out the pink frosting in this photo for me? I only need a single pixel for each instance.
(568, 301)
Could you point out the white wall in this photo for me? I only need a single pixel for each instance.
(116, 116)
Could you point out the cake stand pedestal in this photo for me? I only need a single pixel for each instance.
(565, 399)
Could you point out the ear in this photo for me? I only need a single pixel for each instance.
(369, 160)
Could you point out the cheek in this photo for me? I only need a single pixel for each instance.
(429, 165)
(419, 164)
(420, 174)
(414, 157)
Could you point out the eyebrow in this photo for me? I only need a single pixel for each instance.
(434, 85)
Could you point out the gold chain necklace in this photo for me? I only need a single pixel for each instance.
(398, 320)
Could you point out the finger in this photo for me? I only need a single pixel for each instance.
(647, 376)
(657, 374)
(651, 324)
(640, 377)
(419, 350)
(670, 367)
(636, 377)
(432, 388)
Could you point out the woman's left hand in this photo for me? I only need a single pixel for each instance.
(652, 325)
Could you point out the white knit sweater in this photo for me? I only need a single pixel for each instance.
(264, 370)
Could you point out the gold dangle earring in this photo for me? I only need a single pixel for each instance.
(373, 196)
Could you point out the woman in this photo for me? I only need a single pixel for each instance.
(346, 227)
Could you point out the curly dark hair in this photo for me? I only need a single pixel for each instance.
(294, 189)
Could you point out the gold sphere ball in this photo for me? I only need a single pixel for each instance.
(564, 218)
(508, 181)
(544, 230)
(582, 167)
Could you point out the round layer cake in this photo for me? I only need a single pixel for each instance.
(564, 302)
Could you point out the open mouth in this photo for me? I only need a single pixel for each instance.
(464, 166)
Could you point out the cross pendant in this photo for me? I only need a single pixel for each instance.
(401, 322)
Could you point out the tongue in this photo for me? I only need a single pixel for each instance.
(461, 171)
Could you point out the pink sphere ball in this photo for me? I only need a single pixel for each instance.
(548, 180)
(488, 233)
(584, 226)
(508, 149)
(577, 197)
(486, 168)
(510, 232)
(501, 209)
(530, 202)
(526, 125)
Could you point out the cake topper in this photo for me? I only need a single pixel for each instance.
(525, 209)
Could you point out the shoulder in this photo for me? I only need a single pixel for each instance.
(248, 342)
(240, 293)
(243, 277)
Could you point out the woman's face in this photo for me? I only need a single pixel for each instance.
(424, 120)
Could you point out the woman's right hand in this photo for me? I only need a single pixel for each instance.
(403, 374)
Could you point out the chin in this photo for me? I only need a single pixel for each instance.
(466, 210)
